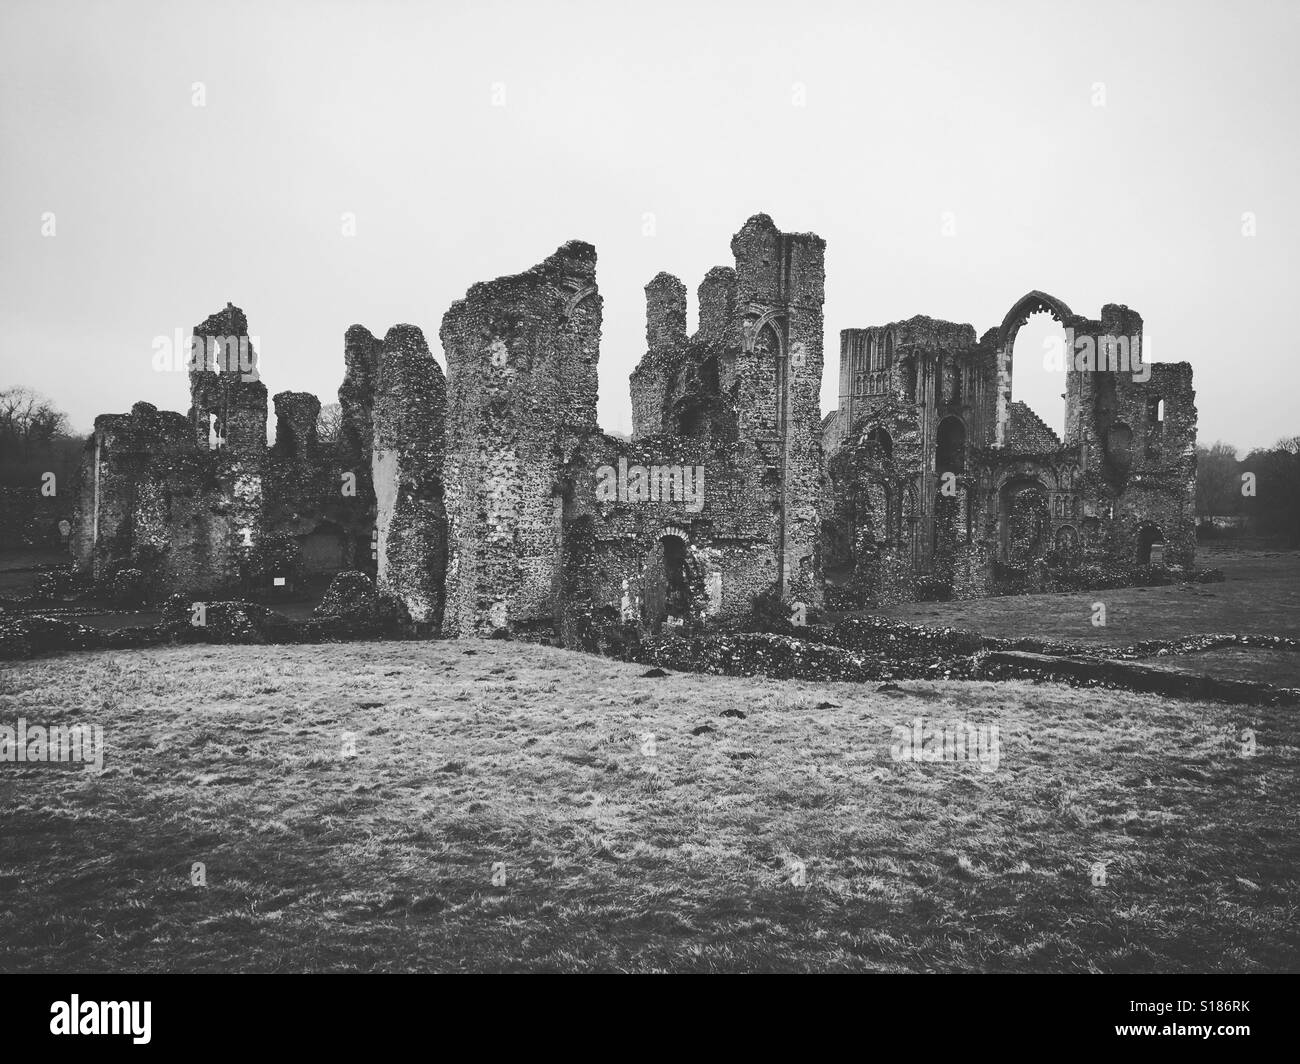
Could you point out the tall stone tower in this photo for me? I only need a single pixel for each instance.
(780, 288)
(522, 354)
(228, 408)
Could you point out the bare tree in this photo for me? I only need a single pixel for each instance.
(329, 422)
(28, 421)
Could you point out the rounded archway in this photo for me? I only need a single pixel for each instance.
(670, 580)
(1148, 535)
(1041, 381)
(879, 438)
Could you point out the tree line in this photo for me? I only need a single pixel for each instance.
(1263, 487)
(35, 439)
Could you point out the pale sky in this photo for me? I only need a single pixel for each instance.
(164, 211)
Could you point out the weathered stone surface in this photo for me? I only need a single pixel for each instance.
(931, 461)
(489, 502)
(730, 414)
(407, 459)
(361, 353)
(350, 594)
(211, 509)
(353, 607)
(521, 396)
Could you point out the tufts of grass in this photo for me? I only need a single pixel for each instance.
(406, 806)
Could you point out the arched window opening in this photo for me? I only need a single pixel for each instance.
(950, 446)
(909, 380)
(1039, 359)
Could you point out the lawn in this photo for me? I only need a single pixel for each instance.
(505, 809)
(1260, 594)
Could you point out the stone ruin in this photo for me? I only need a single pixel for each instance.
(489, 501)
(941, 484)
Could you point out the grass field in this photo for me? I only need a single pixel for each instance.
(783, 839)
(1260, 594)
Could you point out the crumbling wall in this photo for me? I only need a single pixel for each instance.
(779, 294)
(293, 476)
(665, 351)
(227, 396)
(629, 498)
(129, 467)
(1027, 433)
(522, 354)
(739, 400)
(409, 420)
(1159, 482)
(149, 500)
(496, 504)
(201, 505)
(179, 497)
(305, 508)
(1001, 500)
(228, 409)
(361, 351)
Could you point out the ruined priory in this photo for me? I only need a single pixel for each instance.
(488, 500)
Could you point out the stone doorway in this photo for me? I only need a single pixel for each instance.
(667, 583)
(1150, 541)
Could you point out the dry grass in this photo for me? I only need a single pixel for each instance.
(1260, 594)
(477, 753)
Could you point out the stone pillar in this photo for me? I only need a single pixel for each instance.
(410, 518)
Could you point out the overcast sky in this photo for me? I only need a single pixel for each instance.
(689, 112)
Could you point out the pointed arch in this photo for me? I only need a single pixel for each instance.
(767, 320)
(1031, 303)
